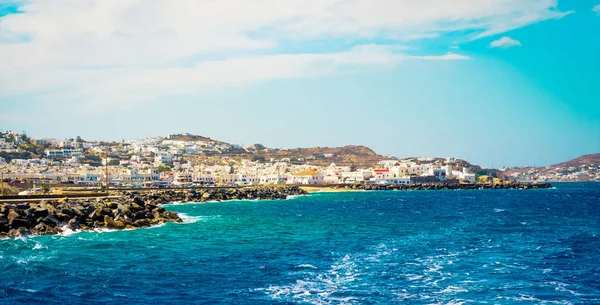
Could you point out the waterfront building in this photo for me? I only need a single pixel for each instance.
(62, 152)
(305, 177)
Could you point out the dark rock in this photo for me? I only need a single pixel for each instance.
(16, 223)
(40, 212)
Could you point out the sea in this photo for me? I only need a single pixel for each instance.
(380, 247)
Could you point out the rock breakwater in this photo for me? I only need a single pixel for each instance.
(444, 186)
(218, 194)
(129, 210)
(58, 216)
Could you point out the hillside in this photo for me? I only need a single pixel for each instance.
(584, 168)
(353, 155)
(193, 138)
(591, 159)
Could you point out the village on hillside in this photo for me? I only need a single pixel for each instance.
(183, 160)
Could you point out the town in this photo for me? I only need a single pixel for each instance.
(184, 160)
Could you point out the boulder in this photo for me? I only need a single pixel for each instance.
(73, 224)
(16, 223)
(40, 212)
(4, 227)
(109, 222)
(50, 220)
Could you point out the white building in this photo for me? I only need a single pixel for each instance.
(249, 179)
(305, 177)
(388, 163)
(439, 173)
(163, 157)
(331, 179)
(380, 174)
(5, 145)
(45, 141)
(62, 152)
(272, 179)
(356, 177)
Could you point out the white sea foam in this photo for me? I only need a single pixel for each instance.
(66, 231)
(104, 230)
(499, 210)
(561, 287)
(189, 219)
(562, 302)
(414, 277)
(319, 288)
(38, 246)
(306, 266)
(452, 290)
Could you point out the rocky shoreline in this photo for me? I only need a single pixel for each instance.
(130, 210)
(444, 186)
(142, 209)
(218, 194)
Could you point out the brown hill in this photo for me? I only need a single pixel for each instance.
(353, 155)
(191, 138)
(591, 159)
(584, 168)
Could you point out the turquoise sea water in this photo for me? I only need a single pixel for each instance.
(416, 247)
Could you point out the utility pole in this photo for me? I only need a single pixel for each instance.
(106, 169)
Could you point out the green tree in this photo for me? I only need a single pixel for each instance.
(164, 169)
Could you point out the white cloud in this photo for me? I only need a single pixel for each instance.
(596, 9)
(448, 56)
(119, 52)
(505, 42)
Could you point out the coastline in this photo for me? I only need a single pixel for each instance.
(129, 210)
(422, 187)
(327, 189)
(145, 208)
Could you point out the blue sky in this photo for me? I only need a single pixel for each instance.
(510, 83)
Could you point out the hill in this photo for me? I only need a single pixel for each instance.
(352, 155)
(584, 168)
(591, 159)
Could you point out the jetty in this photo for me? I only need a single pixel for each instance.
(126, 210)
(141, 208)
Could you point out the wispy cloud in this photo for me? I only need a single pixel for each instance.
(448, 56)
(119, 52)
(505, 42)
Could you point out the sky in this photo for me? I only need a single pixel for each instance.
(498, 82)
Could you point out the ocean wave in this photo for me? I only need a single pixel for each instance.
(39, 246)
(189, 219)
(452, 290)
(66, 231)
(345, 276)
(306, 266)
(320, 288)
